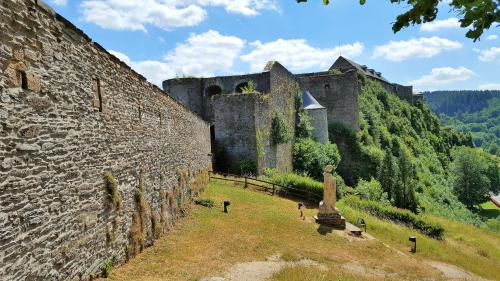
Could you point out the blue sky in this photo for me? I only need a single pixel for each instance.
(173, 38)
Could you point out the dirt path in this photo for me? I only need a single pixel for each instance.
(261, 270)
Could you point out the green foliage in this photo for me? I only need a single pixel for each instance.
(358, 161)
(209, 203)
(259, 135)
(107, 267)
(304, 127)
(372, 190)
(311, 157)
(478, 15)
(304, 183)
(477, 112)
(247, 167)
(280, 129)
(335, 71)
(412, 135)
(474, 175)
(397, 215)
(111, 185)
(249, 88)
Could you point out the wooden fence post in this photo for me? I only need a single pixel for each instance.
(246, 184)
(273, 189)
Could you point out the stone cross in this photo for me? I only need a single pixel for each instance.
(327, 206)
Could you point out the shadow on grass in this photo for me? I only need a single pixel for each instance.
(489, 213)
(324, 230)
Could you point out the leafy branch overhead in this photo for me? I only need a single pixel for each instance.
(477, 15)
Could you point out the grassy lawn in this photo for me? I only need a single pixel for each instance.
(209, 242)
(489, 210)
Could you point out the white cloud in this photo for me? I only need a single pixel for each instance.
(423, 47)
(440, 24)
(61, 3)
(244, 7)
(204, 54)
(490, 86)
(442, 76)
(297, 54)
(164, 14)
(490, 54)
(492, 37)
(136, 14)
(201, 55)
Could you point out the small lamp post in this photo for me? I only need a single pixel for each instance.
(362, 223)
(414, 245)
(301, 205)
(226, 204)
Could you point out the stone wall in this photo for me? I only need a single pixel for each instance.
(338, 93)
(234, 131)
(284, 88)
(69, 112)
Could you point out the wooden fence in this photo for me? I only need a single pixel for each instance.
(268, 187)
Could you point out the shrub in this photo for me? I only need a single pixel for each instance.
(107, 267)
(311, 157)
(372, 190)
(397, 215)
(280, 131)
(303, 186)
(209, 203)
(304, 128)
(247, 167)
(249, 88)
(111, 185)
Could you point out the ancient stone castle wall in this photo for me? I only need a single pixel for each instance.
(69, 112)
(284, 88)
(234, 119)
(338, 93)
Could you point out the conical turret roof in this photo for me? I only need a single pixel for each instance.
(309, 102)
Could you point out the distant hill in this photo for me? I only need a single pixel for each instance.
(477, 112)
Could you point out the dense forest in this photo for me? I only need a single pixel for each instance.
(477, 112)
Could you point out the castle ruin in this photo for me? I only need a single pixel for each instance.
(241, 122)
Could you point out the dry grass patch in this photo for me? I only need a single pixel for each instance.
(209, 242)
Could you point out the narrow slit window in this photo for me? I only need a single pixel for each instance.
(24, 80)
(99, 94)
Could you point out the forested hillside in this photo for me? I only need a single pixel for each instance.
(401, 155)
(477, 112)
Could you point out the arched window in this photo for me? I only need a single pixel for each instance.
(239, 88)
(213, 90)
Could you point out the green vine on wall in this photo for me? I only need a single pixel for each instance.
(111, 186)
(281, 132)
(261, 153)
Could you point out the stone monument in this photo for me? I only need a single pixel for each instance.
(327, 213)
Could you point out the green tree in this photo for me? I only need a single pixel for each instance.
(388, 175)
(405, 195)
(478, 15)
(474, 174)
(372, 190)
(311, 157)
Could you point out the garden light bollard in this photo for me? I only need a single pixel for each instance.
(414, 246)
(301, 205)
(226, 204)
(362, 223)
